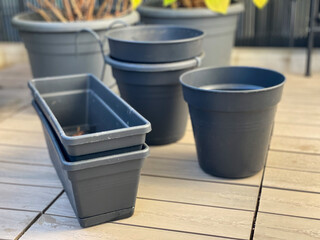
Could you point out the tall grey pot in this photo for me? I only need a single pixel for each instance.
(232, 111)
(55, 49)
(155, 92)
(219, 29)
(101, 189)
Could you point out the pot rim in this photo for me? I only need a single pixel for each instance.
(161, 12)
(200, 35)
(23, 24)
(154, 67)
(216, 91)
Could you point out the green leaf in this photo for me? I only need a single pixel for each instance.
(220, 6)
(260, 3)
(135, 3)
(168, 2)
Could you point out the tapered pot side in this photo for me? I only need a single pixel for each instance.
(57, 49)
(155, 92)
(232, 111)
(219, 29)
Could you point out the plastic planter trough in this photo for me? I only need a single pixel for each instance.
(232, 111)
(155, 44)
(155, 92)
(81, 104)
(101, 189)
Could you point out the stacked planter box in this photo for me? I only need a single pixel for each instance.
(96, 144)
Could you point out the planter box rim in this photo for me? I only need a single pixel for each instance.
(23, 22)
(161, 12)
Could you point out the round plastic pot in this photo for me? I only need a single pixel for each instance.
(155, 44)
(232, 111)
(57, 49)
(219, 29)
(155, 92)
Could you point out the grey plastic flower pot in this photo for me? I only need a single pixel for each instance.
(232, 111)
(155, 44)
(219, 29)
(82, 103)
(57, 49)
(101, 189)
(155, 92)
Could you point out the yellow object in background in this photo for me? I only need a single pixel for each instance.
(260, 3)
(168, 2)
(135, 3)
(220, 6)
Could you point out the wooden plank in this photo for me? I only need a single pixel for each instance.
(26, 155)
(299, 108)
(183, 191)
(295, 180)
(201, 193)
(276, 227)
(290, 203)
(294, 161)
(174, 151)
(296, 130)
(180, 217)
(190, 170)
(62, 228)
(28, 175)
(191, 218)
(22, 138)
(13, 222)
(291, 117)
(27, 197)
(11, 101)
(300, 145)
(21, 123)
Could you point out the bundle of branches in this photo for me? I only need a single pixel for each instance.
(188, 4)
(79, 10)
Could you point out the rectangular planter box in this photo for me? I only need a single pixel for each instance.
(82, 104)
(101, 189)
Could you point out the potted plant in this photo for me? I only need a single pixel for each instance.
(55, 43)
(217, 18)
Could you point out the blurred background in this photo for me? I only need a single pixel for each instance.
(282, 23)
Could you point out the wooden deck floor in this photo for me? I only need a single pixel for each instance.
(176, 200)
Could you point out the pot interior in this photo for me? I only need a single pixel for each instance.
(234, 79)
(82, 112)
(154, 34)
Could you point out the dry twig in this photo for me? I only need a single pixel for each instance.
(118, 8)
(102, 8)
(55, 10)
(67, 6)
(76, 9)
(42, 13)
(89, 15)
